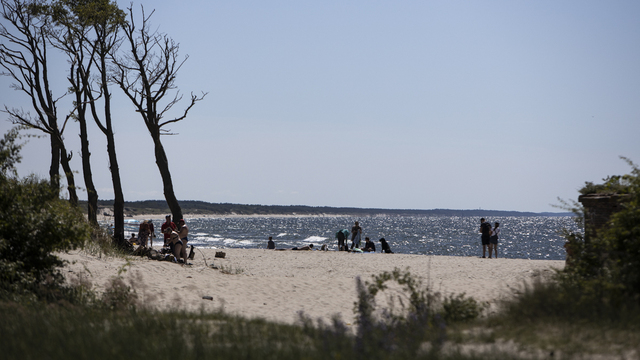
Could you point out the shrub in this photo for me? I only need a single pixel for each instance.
(605, 271)
(34, 223)
(460, 308)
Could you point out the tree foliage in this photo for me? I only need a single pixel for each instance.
(34, 223)
(608, 266)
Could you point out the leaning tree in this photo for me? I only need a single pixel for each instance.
(23, 56)
(147, 74)
(91, 29)
(69, 37)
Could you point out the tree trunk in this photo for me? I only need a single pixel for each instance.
(92, 194)
(71, 183)
(118, 203)
(54, 168)
(163, 166)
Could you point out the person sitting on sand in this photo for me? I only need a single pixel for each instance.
(176, 245)
(183, 231)
(133, 239)
(167, 224)
(369, 246)
(385, 246)
(270, 243)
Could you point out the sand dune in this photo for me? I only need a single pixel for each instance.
(275, 285)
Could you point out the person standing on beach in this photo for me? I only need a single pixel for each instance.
(356, 233)
(152, 232)
(167, 224)
(143, 233)
(493, 240)
(485, 230)
(342, 235)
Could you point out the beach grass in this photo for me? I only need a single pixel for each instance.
(115, 326)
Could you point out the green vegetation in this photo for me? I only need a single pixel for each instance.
(590, 309)
(593, 306)
(34, 223)
(606, 269)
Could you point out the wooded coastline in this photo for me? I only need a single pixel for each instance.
(194, 207)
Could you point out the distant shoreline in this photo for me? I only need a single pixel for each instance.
(191, 208)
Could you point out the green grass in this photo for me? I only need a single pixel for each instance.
(541, 320)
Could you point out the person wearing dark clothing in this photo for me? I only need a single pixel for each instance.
(493, 240)
(485, 230)
(152, 232)
(342, 235)
(270, 243)
(369, 246)
(385, 246)
(356, 232)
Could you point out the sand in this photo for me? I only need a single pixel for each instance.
(276, 285)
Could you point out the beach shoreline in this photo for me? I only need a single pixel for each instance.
(277, 285)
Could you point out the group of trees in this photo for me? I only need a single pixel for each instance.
(105, 47)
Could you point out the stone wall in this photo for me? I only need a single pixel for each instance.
(598, 208)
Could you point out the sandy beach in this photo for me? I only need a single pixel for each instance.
(276, 285)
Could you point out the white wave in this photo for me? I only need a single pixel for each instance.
(312, 239)
(208, 238)
(281, 235)
(238, 242)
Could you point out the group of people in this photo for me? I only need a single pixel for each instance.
(176, 239)
(356, 236)
(146, 233)
(342, 236)
(489, 237)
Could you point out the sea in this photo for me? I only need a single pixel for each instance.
(521, 237)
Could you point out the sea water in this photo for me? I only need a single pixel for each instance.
(537, 237)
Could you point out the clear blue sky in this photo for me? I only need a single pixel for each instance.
(502, 105)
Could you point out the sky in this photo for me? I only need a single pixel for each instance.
(500, 105)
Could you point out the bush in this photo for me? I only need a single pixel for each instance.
(34, 223)
(611, 260)
(460, 308)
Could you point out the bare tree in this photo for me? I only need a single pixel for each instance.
(70, 39)
(23, 55)
(147, 74)
(93, 27)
